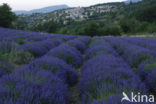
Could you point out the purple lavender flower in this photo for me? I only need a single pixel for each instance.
(36, 86)
(69, 54)
(78, 44)
(104, 76)
(6, 67)
(57, 67)
(6, 47)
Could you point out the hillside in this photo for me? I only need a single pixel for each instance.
(108, 19)
(71, 14)
(43, 10)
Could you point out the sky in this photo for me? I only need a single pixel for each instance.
(35, 4)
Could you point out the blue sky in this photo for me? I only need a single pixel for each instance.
(34, 4)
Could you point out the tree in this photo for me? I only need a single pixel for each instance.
(18, 24)
(110, 31)
(147, 14)
(128, 25)
(6, 15)
(91, 29)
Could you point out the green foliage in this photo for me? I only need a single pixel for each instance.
(143, 26)
(20, 57)
(7, 16)
(150, 66)
(110, 31)
(17, 57)
(151, 28)
(4, 56)
(18, 24)
(63, 30)
(91, 29)
(20, 41)
(129, 25)
(50, 26)
(147, 14)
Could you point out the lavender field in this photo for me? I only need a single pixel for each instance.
(39, 68)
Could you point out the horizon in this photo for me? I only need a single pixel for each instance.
(28, 5)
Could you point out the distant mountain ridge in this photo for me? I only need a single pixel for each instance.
(134, 1)
(42, 10)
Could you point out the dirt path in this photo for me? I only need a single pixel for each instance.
(74, 91)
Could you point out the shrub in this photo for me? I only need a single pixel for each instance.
(91, 29)
(78, 44)
(103, 77)
(147, 14)
(151, 28)
(27, 86)
(128, 25)
(57, 67)
(20, 41)
(67, 53)
(113, 31)
(5, 68)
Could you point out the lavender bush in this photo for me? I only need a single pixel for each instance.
(41, 68)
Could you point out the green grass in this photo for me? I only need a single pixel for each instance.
(139, 35)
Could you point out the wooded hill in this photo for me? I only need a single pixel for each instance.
(103, 19)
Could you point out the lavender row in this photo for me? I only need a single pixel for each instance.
(12, 35)
(140, 58)
(79, 43)
(132, 53)
(22, 54)
(46, 79)
(35, 86)
(70, 51)
(148, 43)
(15, 35)
(97, 47)
(147, 69)
(105, 76)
